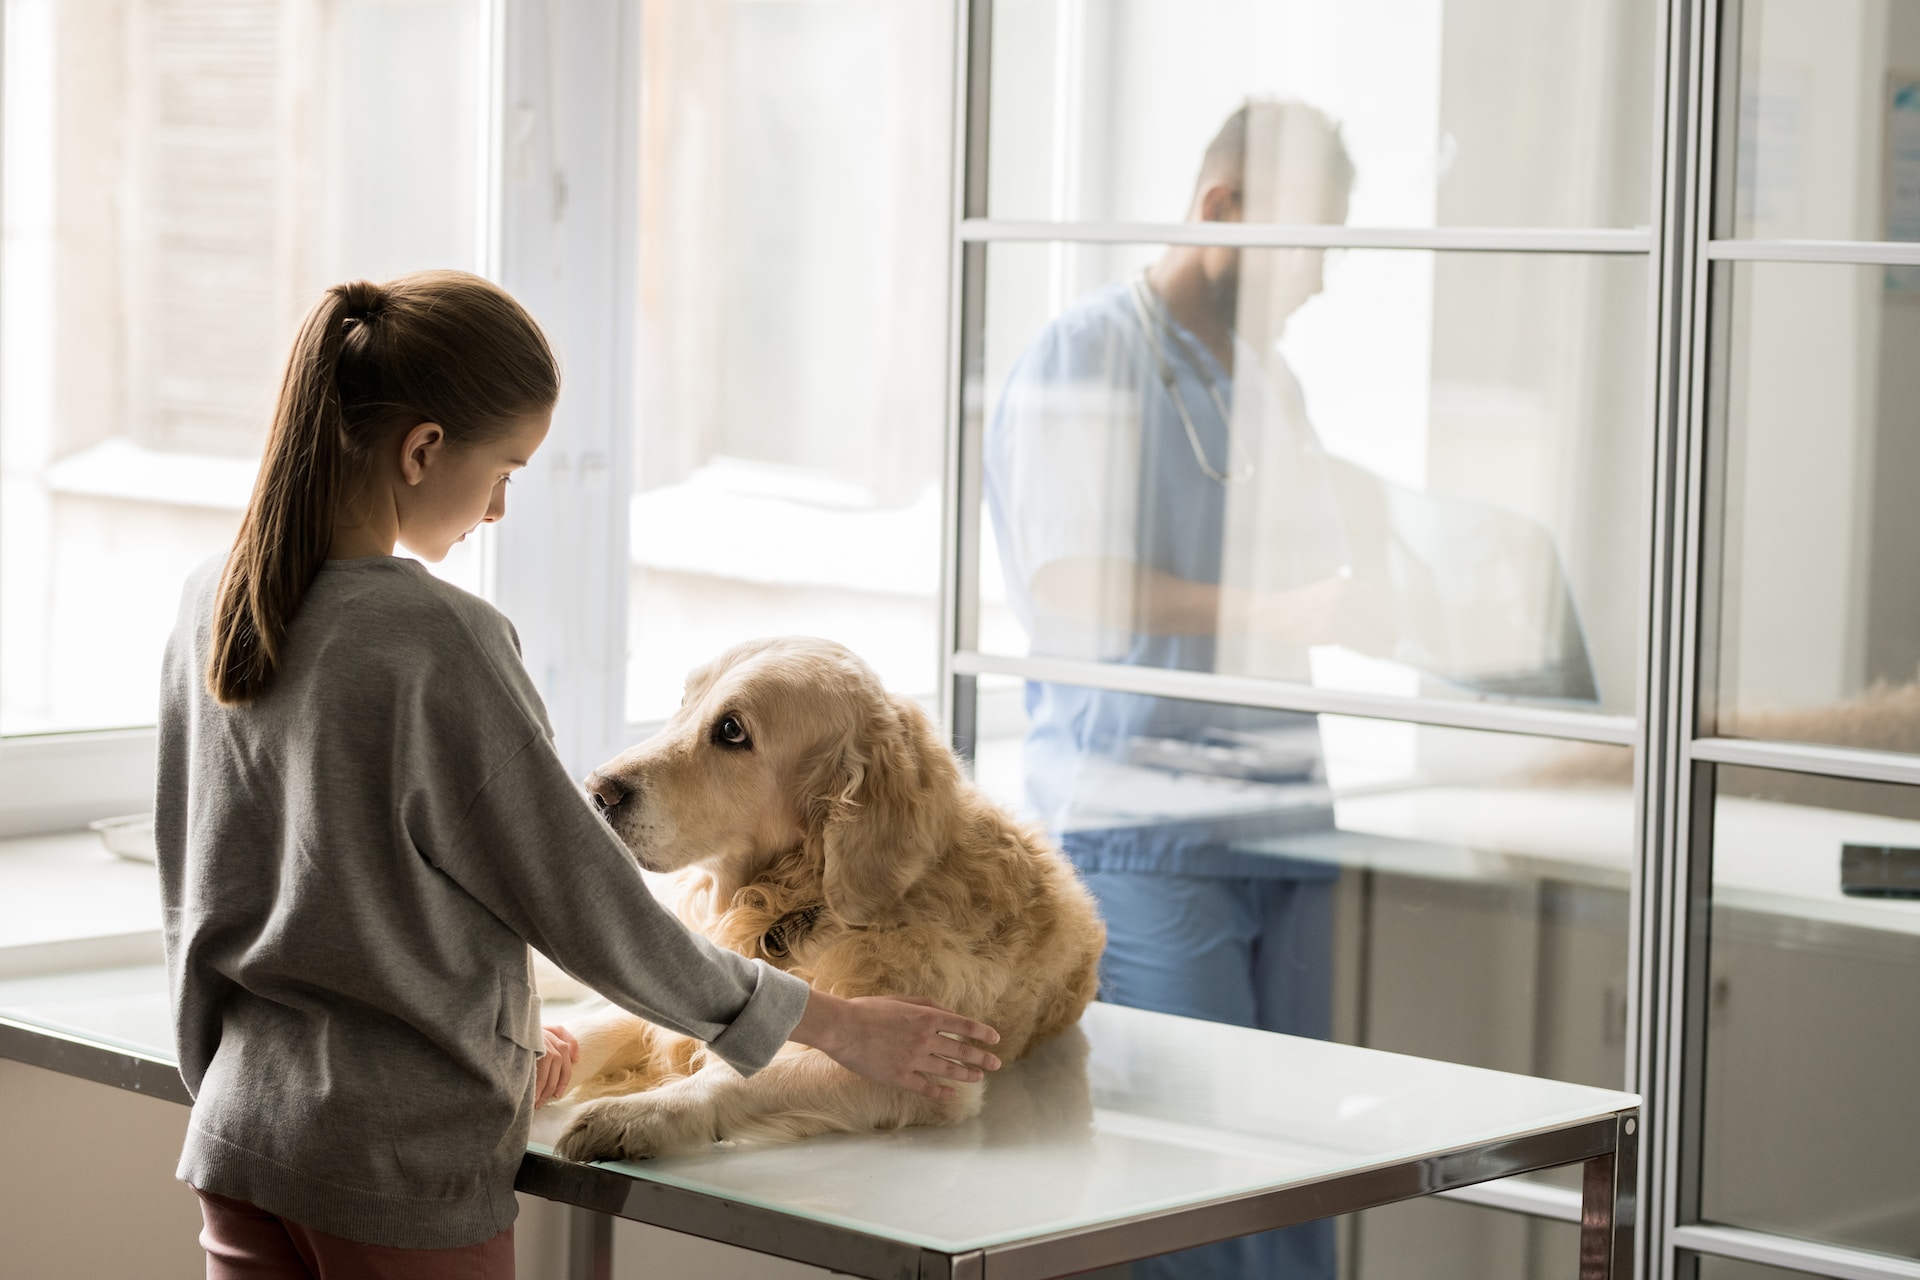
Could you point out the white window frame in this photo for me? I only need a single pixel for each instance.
(568, 249)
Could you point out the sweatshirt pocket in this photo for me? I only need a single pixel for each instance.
(520, 1014)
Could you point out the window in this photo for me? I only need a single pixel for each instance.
(1801, 961)
(793, 335)
(1306, 370)
(1808, 654)
(1471, 887)
(182, 178)
(1818, 634)
(1505, 331)
(1479, 419)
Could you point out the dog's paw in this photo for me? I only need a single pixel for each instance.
(635, 1128)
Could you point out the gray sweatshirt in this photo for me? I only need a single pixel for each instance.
(352, 868)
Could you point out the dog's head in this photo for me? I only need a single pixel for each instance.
(780, 743)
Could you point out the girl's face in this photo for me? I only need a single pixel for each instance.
(448, 490)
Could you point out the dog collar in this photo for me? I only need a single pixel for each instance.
(785, 933)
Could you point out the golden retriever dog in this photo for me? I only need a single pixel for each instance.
(829, 831)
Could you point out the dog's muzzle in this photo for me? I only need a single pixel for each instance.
(608, 793)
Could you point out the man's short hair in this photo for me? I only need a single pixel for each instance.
(1226, 156)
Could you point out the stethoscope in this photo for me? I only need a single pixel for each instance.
(1145, 305)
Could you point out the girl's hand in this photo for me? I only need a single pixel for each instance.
(553, 1075)
(903, 1041)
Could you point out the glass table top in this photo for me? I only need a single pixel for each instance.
(1131, 1113)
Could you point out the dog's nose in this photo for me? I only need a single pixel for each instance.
(607, 792)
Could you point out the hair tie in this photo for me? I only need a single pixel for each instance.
(365, 301)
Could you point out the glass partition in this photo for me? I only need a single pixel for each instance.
(1712, 1268)
(1393, 472)
(1437, 1239)
(1812, 1050)
(1819, 625)
(1476, 113)
(1442, 893)
(1821, 120)
(1446, 893)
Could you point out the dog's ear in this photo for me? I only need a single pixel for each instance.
(896, 788)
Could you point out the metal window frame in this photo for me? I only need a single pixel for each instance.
(1786, 1252)
(1866, 253)
(1638, 241)
(1664, 793)
(1255, 691)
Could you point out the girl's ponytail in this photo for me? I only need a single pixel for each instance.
(436, 346)
(289, 522)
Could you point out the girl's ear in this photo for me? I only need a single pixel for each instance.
(419, 448)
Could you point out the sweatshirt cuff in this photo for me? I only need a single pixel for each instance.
(764, 1022)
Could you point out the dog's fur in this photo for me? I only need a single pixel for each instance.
(843, 796)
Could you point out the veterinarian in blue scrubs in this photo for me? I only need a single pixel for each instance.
(1108, 463)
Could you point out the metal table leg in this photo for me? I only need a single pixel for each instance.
(1607, 1207)
(590, 1245)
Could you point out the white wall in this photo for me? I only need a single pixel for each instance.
(86, 1185)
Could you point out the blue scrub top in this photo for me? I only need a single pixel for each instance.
(1083, 415)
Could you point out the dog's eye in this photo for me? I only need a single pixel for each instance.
(729, 732)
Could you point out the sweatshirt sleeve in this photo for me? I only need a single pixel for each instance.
(532, 851)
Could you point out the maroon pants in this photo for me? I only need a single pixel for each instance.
(244, 1242)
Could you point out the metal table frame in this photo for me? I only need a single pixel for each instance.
(1608, 1147)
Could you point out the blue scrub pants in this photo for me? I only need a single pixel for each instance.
(1251, 952)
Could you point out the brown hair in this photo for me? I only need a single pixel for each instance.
(371, 360)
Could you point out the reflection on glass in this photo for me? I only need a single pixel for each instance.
(173, 205)
(1404, 472)
(1712, 1268)
(1439, 893)
(1450, 894)
(1826, 122)
(793, 293)
(1440, 1239)
(1811, 1043)
(1819, 624)
(1472, 886)
(1471, 113)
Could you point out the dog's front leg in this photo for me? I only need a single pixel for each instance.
(620, 1053)
(800, 1093)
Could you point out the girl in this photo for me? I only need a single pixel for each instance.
(362, 825)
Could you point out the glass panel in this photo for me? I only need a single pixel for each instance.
(1470, 113)
(1430, 1238)
(1435, 1239)
(1407, 473)
(181, 180)
(1712, 1268)
(1811, 1046)
(1445, 893)
(1819, 625)
(1821, 129)
(793, 338)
